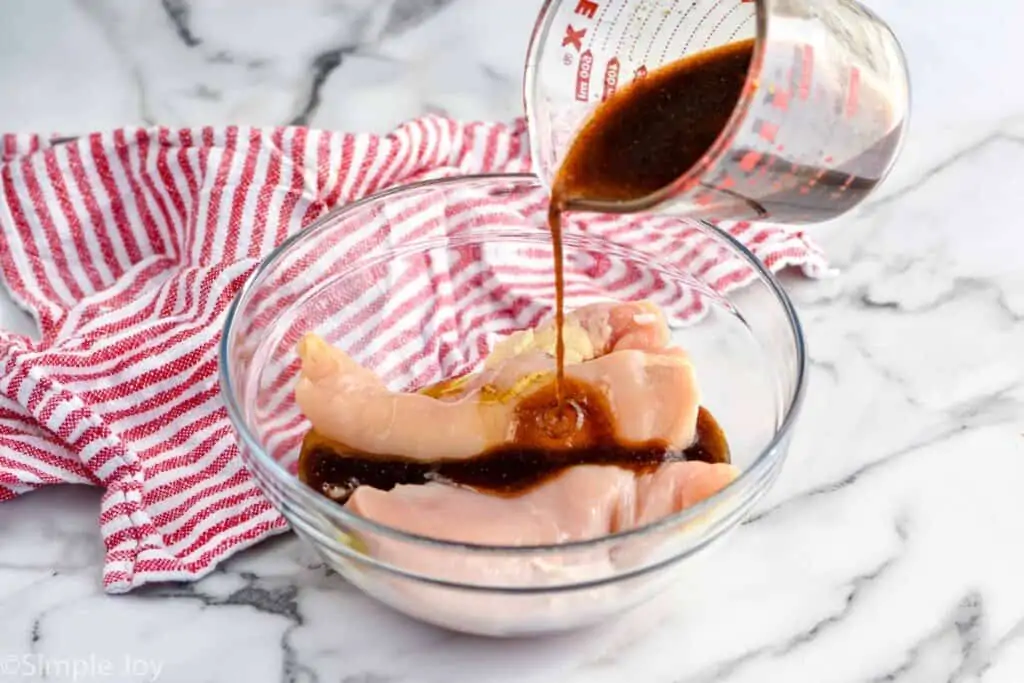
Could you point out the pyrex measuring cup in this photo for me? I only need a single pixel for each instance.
(818, 125)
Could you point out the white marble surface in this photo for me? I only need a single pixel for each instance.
(891, 549)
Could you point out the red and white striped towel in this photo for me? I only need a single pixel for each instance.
(127, 247)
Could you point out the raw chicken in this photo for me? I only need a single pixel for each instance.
(619, 349)
(586, 501)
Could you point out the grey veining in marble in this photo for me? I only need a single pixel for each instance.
(888, 551)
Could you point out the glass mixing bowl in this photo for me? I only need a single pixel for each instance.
(416, 283)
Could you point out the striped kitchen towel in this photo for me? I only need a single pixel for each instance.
(127, 248)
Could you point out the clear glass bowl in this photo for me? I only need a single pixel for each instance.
(415, 283)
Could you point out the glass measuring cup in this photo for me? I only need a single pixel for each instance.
(818, 125)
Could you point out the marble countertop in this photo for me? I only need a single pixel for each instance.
(889, 550)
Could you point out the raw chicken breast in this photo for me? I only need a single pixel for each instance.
(646, 390)
(619, 349)
(584, 502)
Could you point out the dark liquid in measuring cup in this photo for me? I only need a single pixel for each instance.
(651, 133)
(533, 457)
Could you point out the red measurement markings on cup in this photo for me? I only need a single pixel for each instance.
(611, 78)
(778, 97)
(583, 76)
(844, 187)
(767, 130)
(853, 93)
(640, 72)
(818, 175)
(574, 36)
(750, 160)
(806, 57)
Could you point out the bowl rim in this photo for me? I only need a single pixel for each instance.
(295, 488)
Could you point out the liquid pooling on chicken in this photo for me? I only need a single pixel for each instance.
(585, 426)
(484, 440)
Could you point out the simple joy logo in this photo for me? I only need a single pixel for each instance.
(31, 666)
